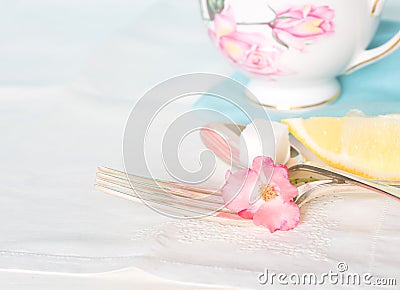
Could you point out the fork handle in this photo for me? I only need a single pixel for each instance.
(345, 177)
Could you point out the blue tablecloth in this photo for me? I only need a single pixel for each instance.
(374, 89)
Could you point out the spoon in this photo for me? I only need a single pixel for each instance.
(224, 140)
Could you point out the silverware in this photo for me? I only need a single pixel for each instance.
(224, 140)
(184, 201)
(187, 201)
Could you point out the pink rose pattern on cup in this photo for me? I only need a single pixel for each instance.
(249, 50)
(293, 28)
(296, 27)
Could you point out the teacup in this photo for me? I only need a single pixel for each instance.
(293, 50)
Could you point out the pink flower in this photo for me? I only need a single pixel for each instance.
(248, 50)
(272, 193)
(296, 26)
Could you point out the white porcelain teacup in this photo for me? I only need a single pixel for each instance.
(295, 49)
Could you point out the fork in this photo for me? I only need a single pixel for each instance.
(187, 201)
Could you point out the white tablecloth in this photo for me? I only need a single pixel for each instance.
(70, 73)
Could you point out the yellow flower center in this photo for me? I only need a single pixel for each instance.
(267, 192)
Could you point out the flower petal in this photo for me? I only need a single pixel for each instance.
(264, 166)
(277, 215)
(237, 189)
(224, 22)
(234, 47)
(248, 213)
(288, 39)
(323, 12)
(280, 181)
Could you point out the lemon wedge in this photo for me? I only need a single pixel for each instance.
(366, 146)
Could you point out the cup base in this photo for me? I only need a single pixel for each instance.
(283, 96)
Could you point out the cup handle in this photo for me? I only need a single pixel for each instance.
(370, 56)
(376, 7)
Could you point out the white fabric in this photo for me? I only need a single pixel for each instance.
(117, 280)
(69, 76)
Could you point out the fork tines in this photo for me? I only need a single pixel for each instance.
(168, 197)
